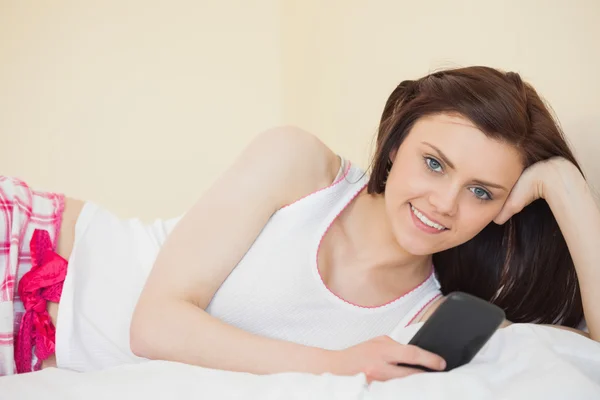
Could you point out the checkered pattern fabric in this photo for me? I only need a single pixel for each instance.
(22, 211)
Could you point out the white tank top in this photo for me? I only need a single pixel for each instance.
(276, 289)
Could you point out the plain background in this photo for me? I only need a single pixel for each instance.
(140, 105)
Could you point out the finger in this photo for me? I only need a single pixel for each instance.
(419, 367)
(507, 211)
(514, 204)
(414, 355)
(521, 194)
(393, 372)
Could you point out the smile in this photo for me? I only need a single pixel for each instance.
(421, 217)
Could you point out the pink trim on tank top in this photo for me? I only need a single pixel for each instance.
(344, 175)
(422, 308)
(344, 300)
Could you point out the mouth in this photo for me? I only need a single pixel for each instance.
(424, 223)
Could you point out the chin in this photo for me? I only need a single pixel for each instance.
(417, 247)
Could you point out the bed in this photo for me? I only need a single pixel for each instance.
(521, 361)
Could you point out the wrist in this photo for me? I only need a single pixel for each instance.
(571, 200)
(564, 183)
(326, 361)
(336, 362)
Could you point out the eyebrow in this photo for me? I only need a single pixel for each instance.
(449, 163)
(441, 154)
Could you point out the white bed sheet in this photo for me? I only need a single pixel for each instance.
(521, 361)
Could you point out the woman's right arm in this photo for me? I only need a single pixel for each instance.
(170, 322)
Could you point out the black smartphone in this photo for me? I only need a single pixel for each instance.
(458, 329)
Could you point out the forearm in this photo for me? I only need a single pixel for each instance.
(579, 219)
(179, 331)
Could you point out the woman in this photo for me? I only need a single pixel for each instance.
(296, 260)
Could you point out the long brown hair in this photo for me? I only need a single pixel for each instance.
(524, 265)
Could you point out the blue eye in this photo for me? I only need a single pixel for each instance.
(480, 193)
(433, 164)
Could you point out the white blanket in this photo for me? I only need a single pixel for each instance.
(519, 362)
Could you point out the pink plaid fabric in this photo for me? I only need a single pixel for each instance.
(22, 211)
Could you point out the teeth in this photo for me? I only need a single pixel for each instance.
(425, 220)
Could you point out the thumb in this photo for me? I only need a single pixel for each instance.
(504, 214)
(526, 189)
(517, 200)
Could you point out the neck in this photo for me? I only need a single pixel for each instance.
(371, 244)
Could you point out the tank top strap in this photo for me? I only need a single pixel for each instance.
(349, 180)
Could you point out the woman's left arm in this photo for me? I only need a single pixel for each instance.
(567, 193)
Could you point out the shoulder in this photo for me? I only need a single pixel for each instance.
(295, 159)
(293, 146)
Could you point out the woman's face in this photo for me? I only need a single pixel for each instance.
(448, 182)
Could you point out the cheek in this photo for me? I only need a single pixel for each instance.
(408, 181)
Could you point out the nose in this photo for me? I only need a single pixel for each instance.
(445, 200)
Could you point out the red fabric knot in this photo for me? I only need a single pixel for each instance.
(39, 285)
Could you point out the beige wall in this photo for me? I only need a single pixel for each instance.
(140, 105)
(355, 53)
(135, 104)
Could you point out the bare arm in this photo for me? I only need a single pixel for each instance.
(578, 216)
(169, 322)
(565, 190)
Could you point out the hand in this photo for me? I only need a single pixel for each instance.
(377, 359)
(540, 181)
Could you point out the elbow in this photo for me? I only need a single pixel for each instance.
(138, 345)
(142, 334)
(154, 329)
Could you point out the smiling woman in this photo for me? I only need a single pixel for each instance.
(477, 129)
(454, 192)
(289, 265)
